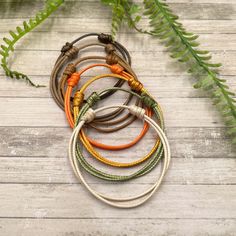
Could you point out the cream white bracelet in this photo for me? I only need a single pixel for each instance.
(120, 202)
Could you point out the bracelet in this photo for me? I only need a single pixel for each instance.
(71, 68)
(110, 59)
(69, 51)
(105, 118)
(79, 96)
(118, 202)
(135, 85)
(73, 81)
(91, 150)
(150, 164)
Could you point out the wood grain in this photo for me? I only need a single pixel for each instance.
(120, 227)
(82, 9)
(39, 194)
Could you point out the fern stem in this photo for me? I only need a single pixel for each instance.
(51, 6)
(194, 54)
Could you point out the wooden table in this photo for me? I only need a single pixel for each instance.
(39, 194)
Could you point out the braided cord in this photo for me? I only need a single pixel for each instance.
(120, 202)
(144, 170)
(93, 98)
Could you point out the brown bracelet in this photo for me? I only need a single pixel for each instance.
(58, 89)
(69, 51)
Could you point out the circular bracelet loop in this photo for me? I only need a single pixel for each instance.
(118, 202)
(75, 77)
(79, 98)
(104, 118)
(149, 165)
(69, 51)
(93, 152)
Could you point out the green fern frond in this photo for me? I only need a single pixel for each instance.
(183, 46)
(117, 18)
(118, 14)
(122, 11)
(50, 7)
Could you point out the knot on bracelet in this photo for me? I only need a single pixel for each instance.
(72, 52)
(137, 111)
(78, 99)
(109, 48)
(89, 116)
(112, 59)
(69, 70)
(147, 100)
(116, 69)
(135, 84)
(66, 47)
(73, 80)
(105, 38)
(93, 99)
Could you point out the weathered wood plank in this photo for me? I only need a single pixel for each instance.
(179, 112)
(198, 195)
(58, 170)
(52, 142)
(36, 41)
(84, 9)
(172, 201)
(96, 25)
(158, 63)
(15, 88)
(138, 1)
(168, 87)
(120, 227)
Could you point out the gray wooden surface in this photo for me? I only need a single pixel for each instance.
(38, 192)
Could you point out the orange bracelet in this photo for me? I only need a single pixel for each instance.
(73, 81)
(121, 146)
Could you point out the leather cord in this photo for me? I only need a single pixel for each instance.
(75, 78)
(150, 163)
(69, 51)
(79, 97)
(129, 202)
(95, 97)
(111, 58)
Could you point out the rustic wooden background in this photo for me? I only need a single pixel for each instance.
(38, 192)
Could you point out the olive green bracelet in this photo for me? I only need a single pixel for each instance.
(150, 164)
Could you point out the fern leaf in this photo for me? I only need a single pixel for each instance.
(184, 47)
(13, 35)
(19, 30)
(50, 7)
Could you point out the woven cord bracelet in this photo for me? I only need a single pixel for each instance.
(104, 118)
(69, 51)
(74, 79)
(150, 163)
(79, 96)
(119, 202)
(96, 97)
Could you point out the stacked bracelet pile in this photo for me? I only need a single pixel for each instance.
(79, 109)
